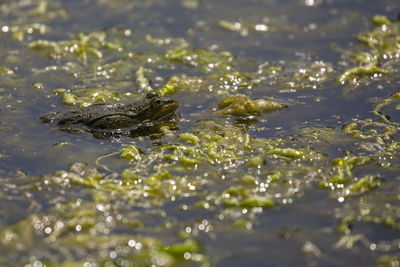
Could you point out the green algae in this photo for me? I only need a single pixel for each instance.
(249, 179)
(360, 71)
(256, 161)
(204, 60)
(88, 96)
(377, 138)
(364, 184)
(179, 250)
(9, 77)
(257, 201)
(142, 81)
(69, 99)
(101, 83)
(383, 37)
(243, 106)
(50, 9)
(206, 161)
(38, 85)
(382, 43)
(345, 224)
(286, 152)
(312, 76)
(86, 224)
(6, 71)
(372, 211)
(215, 83)
(241, 197)
(42, 11)
(191, 4)
(84, 46)
(242, 224)
(394, 99)
(21, 32)
(210, 142)
(214, 136)
(370, 129)
(343, 171)
(58, 232)
(380, 20)
(388, 260)
(358, 187)
(190, 138)
(131, 152)
(303, 75)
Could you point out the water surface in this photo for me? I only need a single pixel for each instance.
(315, 183)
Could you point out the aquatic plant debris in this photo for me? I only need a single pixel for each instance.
(243, 106)
(381, 53)
(83, 46)
(215, 83)
(285, 145)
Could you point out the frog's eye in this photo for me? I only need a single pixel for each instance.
(157, 102)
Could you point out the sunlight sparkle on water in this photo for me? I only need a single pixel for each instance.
(132, 243)
(113, 254)
(187, 255)
(309, 2)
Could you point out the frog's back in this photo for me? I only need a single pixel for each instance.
(87, 114)
(121, 119)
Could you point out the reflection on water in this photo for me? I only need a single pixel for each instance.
(231, 181)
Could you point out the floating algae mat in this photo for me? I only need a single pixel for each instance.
(284, 150)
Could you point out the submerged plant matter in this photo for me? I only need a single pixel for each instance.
(315, 183)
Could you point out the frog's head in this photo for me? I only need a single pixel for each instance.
(155, 108)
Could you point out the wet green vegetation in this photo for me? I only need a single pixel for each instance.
(286, 143)
(381, 51)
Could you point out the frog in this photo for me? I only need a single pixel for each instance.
(106, 121)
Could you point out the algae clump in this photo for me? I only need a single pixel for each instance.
(215, 83)
(131, 152)
(243, 106)
(87, 96)
(82, 45)
(205, 60)
(343, 168)
(382, 52)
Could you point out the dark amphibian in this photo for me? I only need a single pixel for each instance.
(106, 121)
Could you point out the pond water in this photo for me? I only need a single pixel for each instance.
(284, 149)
